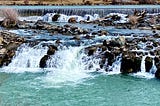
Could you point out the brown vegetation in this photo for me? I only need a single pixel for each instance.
(10, 17)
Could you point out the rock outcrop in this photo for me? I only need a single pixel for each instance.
(9, 43)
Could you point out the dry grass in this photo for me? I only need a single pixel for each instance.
(9, 13)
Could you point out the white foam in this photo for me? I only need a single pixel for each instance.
(26, 59)
(31, 18)
(68, 65)
(65, 18)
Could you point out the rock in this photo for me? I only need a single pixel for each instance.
(12, 46)
(51, 50)
(8, 23)
(102, 32)
(72, 20)
(148, 63)
(77, 37)
(157, 26)
(118, 42)
(43, 61)
(3, 51)
(157, 74)
(110, 56)
(1, 40)
(9, 44)
(55, 17)
(91, 50)
(115, 17)
(130, 63)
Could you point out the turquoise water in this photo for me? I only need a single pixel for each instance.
(27, 89)
(68, 84)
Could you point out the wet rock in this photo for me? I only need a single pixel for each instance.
(3, 51)
(9, 43)
(40, 24)
(55, 17)
(8, 23)
(157, 74)
(90, 50)
(118, 42)
(43, 61)
(115, 18)
(130, 63)
(12, 46)
(110, 56)
(148, 63)
(51, 50)
(72, 20)
(102, 32)
(157, 26)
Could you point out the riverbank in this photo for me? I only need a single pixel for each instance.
(67, 2)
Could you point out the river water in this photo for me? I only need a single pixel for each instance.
(67, 80)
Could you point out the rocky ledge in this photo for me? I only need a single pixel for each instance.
(9, 43)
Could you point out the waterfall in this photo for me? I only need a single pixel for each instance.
(26, 59)
(70, 65)
(82, 10)
(143, 72)
(143, 68)
(154, 68)
(116, 66)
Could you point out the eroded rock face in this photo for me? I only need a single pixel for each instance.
(157, 63)
(130, 63)
(148, 63)
(9, 43)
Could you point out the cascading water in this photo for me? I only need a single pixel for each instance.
(143, 68)
(70, 65)
(153, 68)
(26, 59)
(116, 66)
(143, 72)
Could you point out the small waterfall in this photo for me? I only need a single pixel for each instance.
(143, 68)
(143, 72)
(70, 65)
(116, 66)
(154, 68)
(82, 10)
(26, 59)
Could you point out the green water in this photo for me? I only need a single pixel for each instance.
(27, 89)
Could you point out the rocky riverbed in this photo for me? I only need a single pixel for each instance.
(131, 49)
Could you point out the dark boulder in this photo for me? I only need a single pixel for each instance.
(157, 74)
(148, 63)
(130, 63)
(55, 17)
(91, 50)
(51, 50)
(43, 61)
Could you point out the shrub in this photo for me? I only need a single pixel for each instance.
(10, 17)
(10, 14)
